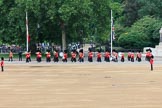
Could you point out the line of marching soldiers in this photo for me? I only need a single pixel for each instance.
(39, 56)
(107, 56)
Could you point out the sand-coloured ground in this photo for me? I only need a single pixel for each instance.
(87, 85)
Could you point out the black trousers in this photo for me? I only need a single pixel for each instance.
(56, 59)
(81, 59)
(98, 59)
(151, 67)
(132, 59)
(122, 59)
(90, 59)
(28, 59)
(138, 59)
(2, 68)
(39, 59)
(48, 59)
(107, 59)
(73, 59)
(64, 60)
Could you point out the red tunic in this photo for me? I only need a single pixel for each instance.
(99, 55)
(132, 55)
(48, 55)
(73, 55)
(148, 54)
(39, 55)
(90, 54)
(151, 61)
(122, 55)
(107, 54)
(81, 55)
(139, 55)
(56, 55)
(129, 54)
(65, 56)
(27, 55)
(2, 63)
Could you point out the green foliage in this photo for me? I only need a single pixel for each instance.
(137, 22)
(142, 33)
(131, 8)
(150, 7)
(133, 39)
(80, 19)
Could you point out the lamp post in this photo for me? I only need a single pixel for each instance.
(160, 31)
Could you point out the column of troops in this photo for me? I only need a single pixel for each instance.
(107, 56)
(131, 56)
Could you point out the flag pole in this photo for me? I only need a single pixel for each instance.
(111, 31)
(27, 32)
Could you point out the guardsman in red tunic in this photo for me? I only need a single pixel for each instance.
(48, 56)
(139, 55)
(81, 56)
(64, 59)
(107, 56)
(2, 64)
(56, 56)
(99, 55)
(10, 56)
(28, 57)
(122, 57)
(151, 62)
(148, 55)
(132, 56)
(129, 56)
(90, 56)
(39, 56)
(73, 56)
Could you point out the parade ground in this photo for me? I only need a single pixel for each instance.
(81, 85)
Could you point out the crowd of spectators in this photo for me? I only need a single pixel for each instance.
(8, 48)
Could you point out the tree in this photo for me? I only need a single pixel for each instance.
(68, 16)
(101, 18)
(142, 33)
(150, 7)
(131, 8)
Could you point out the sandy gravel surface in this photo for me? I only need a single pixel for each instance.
(88, 85)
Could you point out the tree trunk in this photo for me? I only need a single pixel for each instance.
(63, 38)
